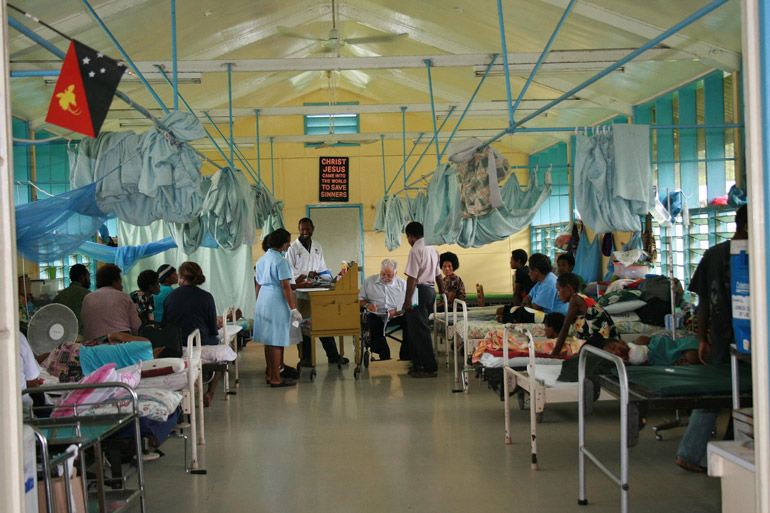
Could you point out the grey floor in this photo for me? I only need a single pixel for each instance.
(390, 443)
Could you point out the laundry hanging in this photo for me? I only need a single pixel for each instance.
(228, 210)
(444, 221)
(395, 220)
(588, 259)
(268, 212)
(416, 207)
(480, 169)
(147, 177)
(613, 178)
(126, 257)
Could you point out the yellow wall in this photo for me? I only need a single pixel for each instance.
(296, 183)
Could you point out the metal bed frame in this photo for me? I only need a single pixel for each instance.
(88, 432)
(634, 400)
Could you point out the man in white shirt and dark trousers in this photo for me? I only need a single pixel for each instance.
(423, 274)
(382, 295)
(306, 258)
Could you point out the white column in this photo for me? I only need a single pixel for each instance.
(11, 459)
(755, 79)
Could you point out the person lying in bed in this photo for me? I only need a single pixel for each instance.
(591, 323)
(552, 324)
(659, 349)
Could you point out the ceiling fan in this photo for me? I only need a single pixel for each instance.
(334, 41)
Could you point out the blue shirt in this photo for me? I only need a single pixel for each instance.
(545, 295)
(272, 269)
(160, 300)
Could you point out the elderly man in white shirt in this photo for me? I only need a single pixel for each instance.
(382, 295)
(306, 259)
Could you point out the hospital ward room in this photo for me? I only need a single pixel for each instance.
(387, 256)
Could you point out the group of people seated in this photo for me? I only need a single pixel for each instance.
(164, 296)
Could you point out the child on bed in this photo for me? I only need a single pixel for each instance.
(591, 323)
(659, 349)
(552, 324)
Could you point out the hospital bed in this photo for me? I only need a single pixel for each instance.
(462, 321)
(644, 388)
(541, 383)
(189, 381)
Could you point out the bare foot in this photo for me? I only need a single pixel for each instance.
(208, 398)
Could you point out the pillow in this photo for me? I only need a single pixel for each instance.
(122, 355)
(162, 367)
(130, 375)
(624, 306)
(101, 375)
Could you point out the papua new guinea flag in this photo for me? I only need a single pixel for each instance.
(84, 90)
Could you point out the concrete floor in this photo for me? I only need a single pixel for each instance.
(390, 443)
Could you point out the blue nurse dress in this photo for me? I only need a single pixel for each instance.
(272, 317)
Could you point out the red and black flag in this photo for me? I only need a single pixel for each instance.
(84, 91)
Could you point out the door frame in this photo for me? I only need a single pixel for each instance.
(360, 208)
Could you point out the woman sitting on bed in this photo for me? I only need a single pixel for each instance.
(591, 322)
(189, 307)
(453, 284)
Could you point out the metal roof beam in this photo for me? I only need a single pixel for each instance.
(478, 108)
(520, 62)
(708, 53)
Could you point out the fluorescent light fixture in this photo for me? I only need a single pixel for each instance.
(331, 115)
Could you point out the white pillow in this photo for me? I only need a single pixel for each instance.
(624, 306)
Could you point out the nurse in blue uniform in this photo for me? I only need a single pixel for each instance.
(276, 307)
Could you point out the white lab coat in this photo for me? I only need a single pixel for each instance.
(303, 261)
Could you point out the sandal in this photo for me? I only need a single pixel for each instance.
(690, 467)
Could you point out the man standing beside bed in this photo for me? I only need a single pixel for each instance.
(711, 282)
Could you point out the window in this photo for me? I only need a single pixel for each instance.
(556, 208)
(59, 270)
(331, 124)
(542, 238)
(21, 163)
(708, 227)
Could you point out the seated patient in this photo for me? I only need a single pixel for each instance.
(659, 349)
(543, 296)
(189, 307)
(453, 284)
(591, 322)
(383, 294)
(108, 309)
(148, 284)
(565, 263)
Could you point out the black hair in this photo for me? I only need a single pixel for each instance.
(540, 262)
(146, 280)
(554, 320)
(278, 238)
(78, 271)
(451, 258)
(306, 220)
(415, 229)
(192, 273)
(566, 257)
(569, 280)
(519, 255)
(741, 218)
(266, 243)
(107, 275)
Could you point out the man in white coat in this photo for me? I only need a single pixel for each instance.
(306, 258)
